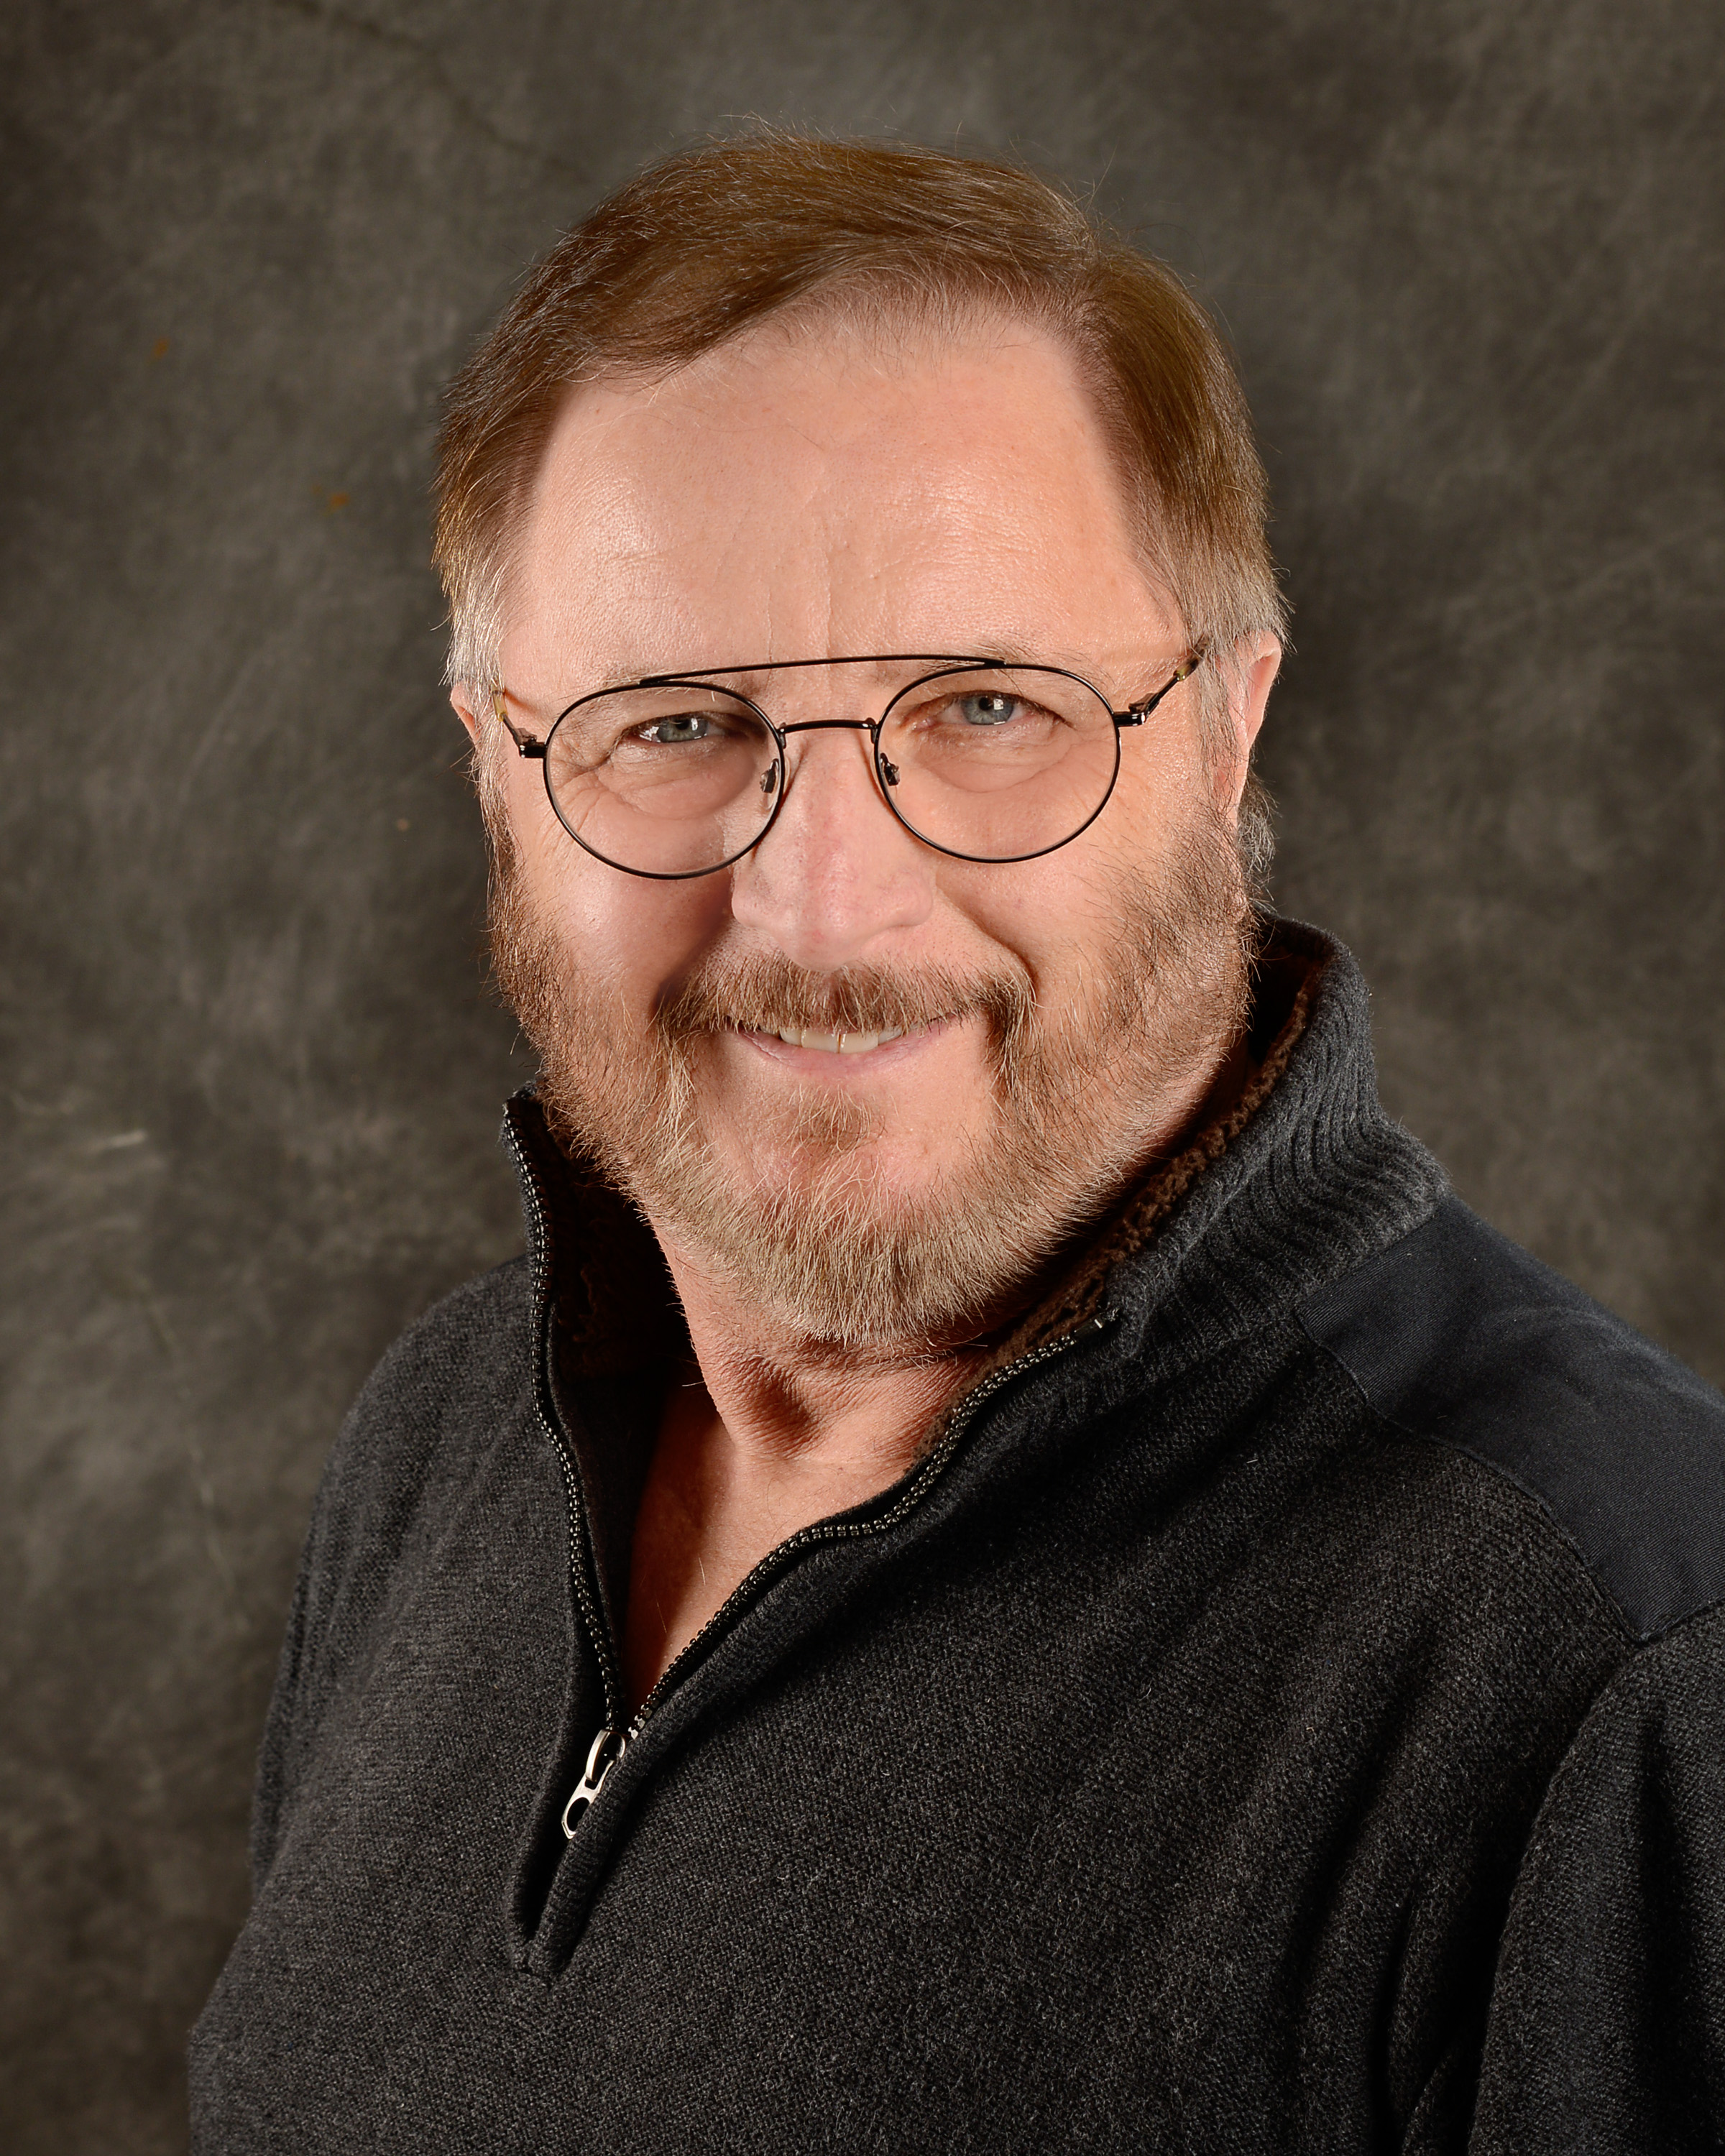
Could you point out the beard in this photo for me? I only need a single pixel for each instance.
(808, 1227)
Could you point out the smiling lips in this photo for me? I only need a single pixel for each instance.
(839, 1043)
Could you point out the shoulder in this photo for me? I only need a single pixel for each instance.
(426, 1416)
(462, 1350)
(1459, 1337)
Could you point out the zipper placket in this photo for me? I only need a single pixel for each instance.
(611, 1742)
(581, 1566)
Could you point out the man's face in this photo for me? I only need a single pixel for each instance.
(820, 494)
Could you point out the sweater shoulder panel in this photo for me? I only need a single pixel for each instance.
(1457, 1335)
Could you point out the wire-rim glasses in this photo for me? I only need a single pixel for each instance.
(676, 776)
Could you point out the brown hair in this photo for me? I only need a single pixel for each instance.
(710, 243)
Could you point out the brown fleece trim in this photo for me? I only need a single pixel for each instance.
(1125, 1232)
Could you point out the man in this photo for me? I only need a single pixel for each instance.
(1010, 1569)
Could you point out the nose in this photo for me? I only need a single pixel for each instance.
(837, 872)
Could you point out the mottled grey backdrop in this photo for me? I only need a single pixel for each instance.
(1469, 255)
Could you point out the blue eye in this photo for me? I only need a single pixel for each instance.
(988, 707)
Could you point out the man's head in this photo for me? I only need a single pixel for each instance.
(788, 400)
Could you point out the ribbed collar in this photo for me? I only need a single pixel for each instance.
(1315, 1182)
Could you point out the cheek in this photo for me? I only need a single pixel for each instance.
(1047, 913)
(1164, 781)
(632, 936)
(1061, 916)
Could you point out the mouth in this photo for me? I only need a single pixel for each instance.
(838, 1043)
(811, 1038)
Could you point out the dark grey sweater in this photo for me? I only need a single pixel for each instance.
(1282, 1711)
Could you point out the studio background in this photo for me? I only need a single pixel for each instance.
(1469, 256)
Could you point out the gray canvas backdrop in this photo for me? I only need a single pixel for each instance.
(1469, 256)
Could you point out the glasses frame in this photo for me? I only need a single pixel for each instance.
(941, 664)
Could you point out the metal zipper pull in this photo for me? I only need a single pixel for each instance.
(600, 1760)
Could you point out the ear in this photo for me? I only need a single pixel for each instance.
(462, 697)
(1255, 662)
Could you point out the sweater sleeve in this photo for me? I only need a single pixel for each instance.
(321, 1620)
(1606, 2031)
(275, 1749)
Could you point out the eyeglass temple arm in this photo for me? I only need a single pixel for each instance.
(525, 743)
(1135, 715)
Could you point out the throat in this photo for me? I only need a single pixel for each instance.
(724, 1489)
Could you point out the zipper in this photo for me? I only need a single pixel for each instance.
(582, 1567)
(612, 1741)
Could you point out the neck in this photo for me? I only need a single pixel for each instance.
(790, 1398)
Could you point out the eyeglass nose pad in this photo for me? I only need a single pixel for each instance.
(889, 770)
(769, 777)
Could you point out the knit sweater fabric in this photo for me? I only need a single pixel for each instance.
(1281, 1710)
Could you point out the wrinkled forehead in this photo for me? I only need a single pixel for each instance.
(813, 491)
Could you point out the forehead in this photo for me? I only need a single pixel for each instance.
(821, 490)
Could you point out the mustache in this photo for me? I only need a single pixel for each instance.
(764, 991)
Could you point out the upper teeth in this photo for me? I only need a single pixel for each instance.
(840, 1044)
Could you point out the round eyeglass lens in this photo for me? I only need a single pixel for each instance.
(999, 763)
(665, 782)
